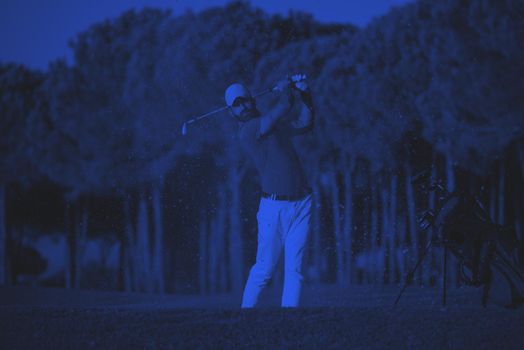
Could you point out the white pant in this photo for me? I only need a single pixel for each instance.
(281, 224)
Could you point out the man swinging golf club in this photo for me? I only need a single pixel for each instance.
(285, 207)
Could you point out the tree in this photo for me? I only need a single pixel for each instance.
(93, 139)
(18, 89)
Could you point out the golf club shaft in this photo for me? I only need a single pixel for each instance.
(221, 109)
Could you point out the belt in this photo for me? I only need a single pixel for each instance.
(278, 197)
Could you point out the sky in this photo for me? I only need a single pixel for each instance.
(34, 32)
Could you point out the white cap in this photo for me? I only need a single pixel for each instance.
(235, 90)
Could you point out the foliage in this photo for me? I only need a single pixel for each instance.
(18, 95)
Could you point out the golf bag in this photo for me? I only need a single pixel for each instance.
(489, 255)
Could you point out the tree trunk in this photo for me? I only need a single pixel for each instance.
(518, 199)
(158, 256)
(143, 247)
(520, 155)
(218, 265)
(412, 221)
(70, 219)
(126, 243)
(348, 220)
(385, 233)
(450, 173)
(212, 269)
(393, 232)
(81, 238)
(493, 202)
(402, 250)
(426, 268)
(361, 265)
(501, 189)
(3, 237)
(202, 253)
(236, 244)
(452, 265)
(374, 248)
(221, 234)
(518, 218)
(339, 239)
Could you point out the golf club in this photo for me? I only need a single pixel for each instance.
(292, 80)
(206, 115)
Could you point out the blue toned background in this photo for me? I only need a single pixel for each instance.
(34, 32)
(101, 190)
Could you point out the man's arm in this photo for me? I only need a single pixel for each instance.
(269, 120)
(306, 119)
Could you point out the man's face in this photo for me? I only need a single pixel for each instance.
(244, 108)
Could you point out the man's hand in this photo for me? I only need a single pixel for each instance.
(299, 82)
(295, 81)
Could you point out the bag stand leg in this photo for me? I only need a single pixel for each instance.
(411, 273)
(444, 279)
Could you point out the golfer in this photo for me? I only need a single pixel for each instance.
(285, 205)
